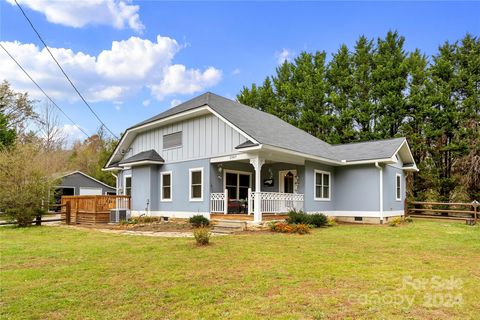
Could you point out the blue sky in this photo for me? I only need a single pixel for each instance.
(203, 46)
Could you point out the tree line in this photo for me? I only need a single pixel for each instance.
(35, 152)
(379, 90)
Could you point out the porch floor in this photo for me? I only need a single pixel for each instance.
(246, 217)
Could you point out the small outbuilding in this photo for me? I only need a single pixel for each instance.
(78, 183)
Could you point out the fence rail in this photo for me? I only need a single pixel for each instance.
(278, 202)
(218, 202)
(270, 202)
(93, 209)
(443, 210)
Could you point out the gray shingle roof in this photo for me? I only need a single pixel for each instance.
(261, 126)
(150, 155)
(379, 149)
(270, 130)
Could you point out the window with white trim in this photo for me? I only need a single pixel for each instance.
(166, 186)
(322, 185)
(127, 187)
(172, 140)
(196, 184)
(398, 187)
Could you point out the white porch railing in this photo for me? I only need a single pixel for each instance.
(276, 202)
(218, 202)
(270, 202)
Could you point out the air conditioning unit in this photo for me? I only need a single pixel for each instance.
(117, 215)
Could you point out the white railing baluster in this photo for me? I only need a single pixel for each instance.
(276, 202)
(217, 202)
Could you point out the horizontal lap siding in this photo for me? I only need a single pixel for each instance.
(389, 186)
(356, 188)
(202, 137)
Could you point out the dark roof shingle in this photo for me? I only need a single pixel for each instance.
(150, 155)
(271, 130)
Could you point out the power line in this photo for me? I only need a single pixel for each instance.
(43, 91)
(63, 71)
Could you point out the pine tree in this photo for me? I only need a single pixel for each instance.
(340, 94)
(362, 95)
(389, 84)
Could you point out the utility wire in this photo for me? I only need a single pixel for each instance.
(63, 71)
(43, 91)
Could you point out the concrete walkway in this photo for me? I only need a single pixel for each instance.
(165, 234)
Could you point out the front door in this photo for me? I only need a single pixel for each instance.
(237, 184)
(287, 181)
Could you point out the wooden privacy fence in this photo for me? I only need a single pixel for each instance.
(443, 210)
(91, 209)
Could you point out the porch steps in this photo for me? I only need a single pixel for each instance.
(228, 226)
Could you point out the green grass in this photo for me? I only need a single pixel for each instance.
(60, 273)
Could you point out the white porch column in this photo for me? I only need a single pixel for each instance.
(257, 163)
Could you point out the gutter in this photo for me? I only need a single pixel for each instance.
(380, 168)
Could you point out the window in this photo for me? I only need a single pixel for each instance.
(172, 140)
(322, 185)
(127, 187)
(237, 184)
(166, 186)
(196, 184)
(398, 187)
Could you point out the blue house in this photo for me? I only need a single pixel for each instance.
(212, 156)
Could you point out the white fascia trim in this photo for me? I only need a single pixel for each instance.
(89, 177)
(287, 151)
(139, 163)
(409, 151)
(112, 169)
(412, 169)
(230, 157)
(231, 125)
(371, 161)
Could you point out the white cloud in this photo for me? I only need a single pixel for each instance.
(175, 102)
(284, 55)
(235, 71)
(72, 132)
(146, 103)
(179, 79)
(113, 75)
(116, 13)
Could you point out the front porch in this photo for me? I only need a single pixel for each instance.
(272, 205)
(246, 217)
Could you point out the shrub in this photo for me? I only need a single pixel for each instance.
(299, 217)
(199, 221)
(331, 222)
(23, 218)
(302, 228)
(296, 217)
(318, 220)
(283, 227)
(24, 183)
(395, 222)
(202, 236)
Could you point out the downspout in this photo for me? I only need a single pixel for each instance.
(380, 168)
(116, 182)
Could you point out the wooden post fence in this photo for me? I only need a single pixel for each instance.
(443, 210)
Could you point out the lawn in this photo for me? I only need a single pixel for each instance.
(345, 271)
